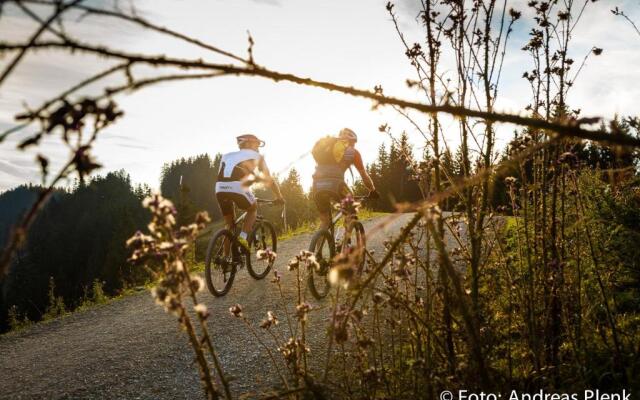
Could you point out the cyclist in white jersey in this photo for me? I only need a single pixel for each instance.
(232, 186)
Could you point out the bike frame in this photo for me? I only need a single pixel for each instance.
(334, 221)
(237, 222)
(339, 215)
(259, 217)
(230, 248)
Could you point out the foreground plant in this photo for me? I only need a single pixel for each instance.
(167, 245)
(291, 345)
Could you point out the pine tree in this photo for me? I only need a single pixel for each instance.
(394, 175)
(190, 183)
(300, 207)
(78, 237)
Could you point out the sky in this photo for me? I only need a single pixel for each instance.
(347, 42)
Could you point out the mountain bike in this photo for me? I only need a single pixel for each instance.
(324, 247)
(225, 256)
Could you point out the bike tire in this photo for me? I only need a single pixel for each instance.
(263, 231)
(357, 229)
(215, 266)
(318, 280)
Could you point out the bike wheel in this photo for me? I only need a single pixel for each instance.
(354, 242)
(323, 248)
(263, 237)
(220, 269)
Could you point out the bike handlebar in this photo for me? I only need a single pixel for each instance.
(364, 198)
(276, 202)
(269, 202)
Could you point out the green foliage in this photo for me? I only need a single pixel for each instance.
(97, 293)
(196, 190)
(596, 286)
(605, 157)
(613, 218)
(78, 238)
(307, 227)
(393, 174)
(17, 321)
(55, 307)
(13, 203)
(299, 205)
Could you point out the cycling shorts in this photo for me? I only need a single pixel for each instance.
(326, 191)
(230, 193)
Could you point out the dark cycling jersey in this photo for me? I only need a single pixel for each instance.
(328, 179)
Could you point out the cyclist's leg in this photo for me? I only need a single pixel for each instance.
(247, 202)
(322, 199)
(250, 219)
(228, 214)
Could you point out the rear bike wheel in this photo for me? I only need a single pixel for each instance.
(220, 268)
(354, 244)
(263, 237)
(323, 248)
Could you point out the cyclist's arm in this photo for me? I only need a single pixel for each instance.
(272, 183)
(366, 179)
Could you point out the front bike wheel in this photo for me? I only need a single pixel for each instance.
(323, 248)
(263, 237)
(354, 244)
(220, 264)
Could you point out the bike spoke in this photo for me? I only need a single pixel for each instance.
(263, 239)
(220, 268)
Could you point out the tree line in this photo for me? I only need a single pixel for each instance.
(78, 239)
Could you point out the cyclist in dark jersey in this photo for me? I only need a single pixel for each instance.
(328, 179)
(231, 186)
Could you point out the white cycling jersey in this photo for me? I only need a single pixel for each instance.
(231, 160)
(230, 174)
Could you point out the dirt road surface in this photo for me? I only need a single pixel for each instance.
(131, 349)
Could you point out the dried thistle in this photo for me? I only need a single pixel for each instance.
(302, 310)
(270, 321)
(167, 245)
(266, 255)
(277, 277)
(236, 311)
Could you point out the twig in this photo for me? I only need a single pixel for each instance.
(146, 24)
(60, 9)
(562, 127)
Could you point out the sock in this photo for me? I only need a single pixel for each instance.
(243, 235)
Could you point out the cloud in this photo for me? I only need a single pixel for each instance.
(132, 146)
(350, 42)
(17, 169)
(10, 169)
(269, 2)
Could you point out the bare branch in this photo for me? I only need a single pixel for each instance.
(145, 24)
(60, 9)
(565, 127)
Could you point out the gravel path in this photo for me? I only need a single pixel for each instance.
(131, 349)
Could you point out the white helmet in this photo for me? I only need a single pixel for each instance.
(348, 134)
(249, 138)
